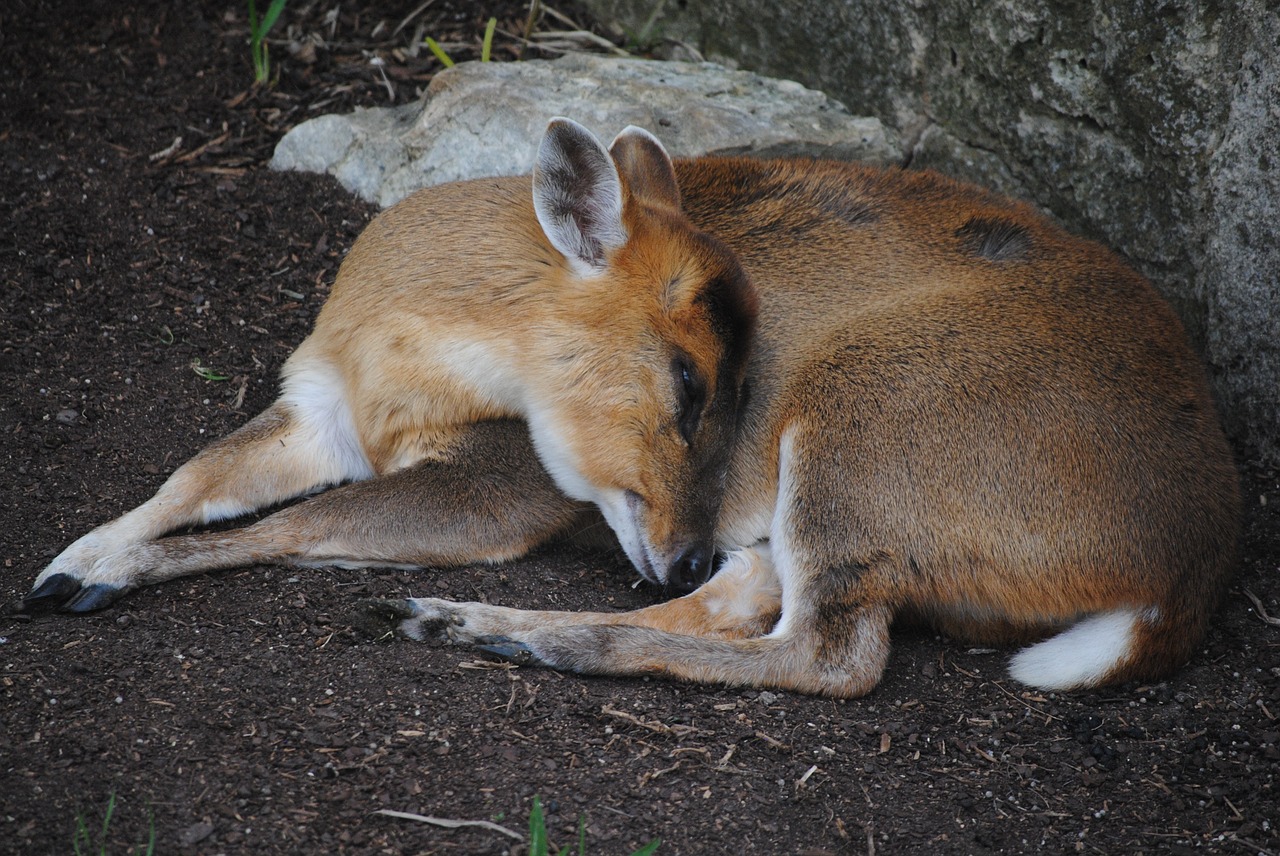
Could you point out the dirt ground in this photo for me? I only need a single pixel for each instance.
(149, 292)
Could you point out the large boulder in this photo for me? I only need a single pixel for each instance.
(484, 119)
(1153, 128)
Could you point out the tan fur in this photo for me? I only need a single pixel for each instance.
(952, 410)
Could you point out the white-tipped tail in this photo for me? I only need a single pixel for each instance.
(1081, 656)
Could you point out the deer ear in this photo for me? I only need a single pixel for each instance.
(645, 167)
(577, 196)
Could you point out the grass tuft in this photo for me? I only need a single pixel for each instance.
(486, 46)
(258, 29)
(540, 845)
(445, 59)
(82, 842)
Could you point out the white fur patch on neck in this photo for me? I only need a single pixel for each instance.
(556, 455)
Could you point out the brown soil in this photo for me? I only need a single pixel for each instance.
(238, 712)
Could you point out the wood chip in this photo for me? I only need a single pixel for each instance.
(166, 152)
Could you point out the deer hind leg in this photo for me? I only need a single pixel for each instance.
(485, 497)
(305, 441)
(791, 616)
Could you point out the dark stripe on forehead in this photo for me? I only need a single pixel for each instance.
(730, 300)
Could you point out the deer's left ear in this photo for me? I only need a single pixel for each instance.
(645, 167)
(577, 196)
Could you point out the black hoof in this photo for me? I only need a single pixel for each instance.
(377, 618)
(51, 594)
(93, 597)
(508, 649)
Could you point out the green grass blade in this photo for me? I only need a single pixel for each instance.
(151, 842)
(537, 830)
(80, 835)
(258, 29)
(106, 823)
(487, 46)
(649, 848)
(444, 58)
(273, 15)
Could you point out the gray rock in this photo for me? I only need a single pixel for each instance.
(482, 119)
(1157, 132)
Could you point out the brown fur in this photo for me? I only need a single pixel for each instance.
(916, 398)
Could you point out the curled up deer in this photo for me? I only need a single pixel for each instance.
(807, 397)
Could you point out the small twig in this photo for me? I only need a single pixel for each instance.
(650, 776)
(772, 741)
(658, 727)
(451, 824)
(415, 13)
(1262, 612)
(694, 53)
(199, 150)
(1254, 847)
(582, 36)
(488, 665)
(1037, 711)
(379, 63)
(535, 12)
(647, 29)
(561, 17)
(985, 755)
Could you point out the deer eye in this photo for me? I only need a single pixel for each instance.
(691, 397)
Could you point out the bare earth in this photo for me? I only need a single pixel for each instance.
(239, 712)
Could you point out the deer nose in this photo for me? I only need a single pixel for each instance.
(691, 568)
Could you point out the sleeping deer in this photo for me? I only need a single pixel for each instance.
(807, 397)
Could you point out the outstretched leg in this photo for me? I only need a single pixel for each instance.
(741, 601)
(803, 614)
(306, 440)
(718, 634)
(278, 455)
(484, 497)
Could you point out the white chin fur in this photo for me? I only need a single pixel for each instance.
(623, 519)
(1080, 656)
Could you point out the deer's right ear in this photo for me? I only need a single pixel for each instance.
(645, 166)
(577, 196)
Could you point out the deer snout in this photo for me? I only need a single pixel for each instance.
(691, 568)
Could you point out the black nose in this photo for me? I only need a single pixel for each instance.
(691, 569)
